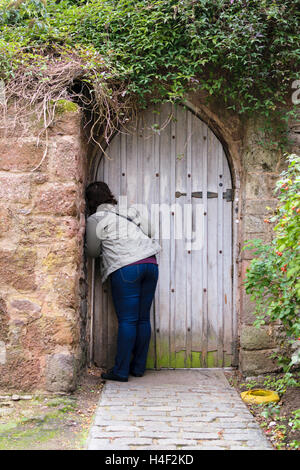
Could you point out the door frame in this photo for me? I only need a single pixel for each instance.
(95, 159)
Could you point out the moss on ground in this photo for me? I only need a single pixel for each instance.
(49, 422)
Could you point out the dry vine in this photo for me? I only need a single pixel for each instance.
(32, 94)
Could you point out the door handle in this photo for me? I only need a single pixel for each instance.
(178, 194)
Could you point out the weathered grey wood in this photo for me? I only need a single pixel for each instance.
(148, 197)
(166, 276)
(229, 321)
(180, 270)
(205, 254)
(220, 255)
(199, 150)
(191, 315)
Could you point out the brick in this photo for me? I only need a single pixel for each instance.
(199, 435)
(177, 442)
(132, 441)
(172, 434)
(149, 412)
(159, 447)
(109, 435)
(122, 428)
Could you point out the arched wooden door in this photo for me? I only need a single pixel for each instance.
(178, 168)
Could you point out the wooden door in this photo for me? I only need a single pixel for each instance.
(173, 164)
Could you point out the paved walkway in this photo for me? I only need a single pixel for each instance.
(174, 409)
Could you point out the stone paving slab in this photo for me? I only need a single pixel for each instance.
(174, 409)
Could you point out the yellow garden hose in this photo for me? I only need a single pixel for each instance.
(257, 396)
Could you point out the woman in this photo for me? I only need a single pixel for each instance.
(122, 239)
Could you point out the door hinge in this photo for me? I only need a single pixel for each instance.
(228, 194)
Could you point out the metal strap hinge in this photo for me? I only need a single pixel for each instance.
(228, 194)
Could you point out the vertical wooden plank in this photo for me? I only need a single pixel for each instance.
(172, 190)
(105, 302)
(199, 131)
(181, 288)
(131, 164)
(140, 155)
(97, 329)
(212, 169)
(163, 339)
(100, 304)
(227, 269)
(147, 182)
(155, 218)
(220, 255)
(205, 255)
(188, 244)
(117, 181)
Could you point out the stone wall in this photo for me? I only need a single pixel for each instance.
(42, 281)
(261, 169)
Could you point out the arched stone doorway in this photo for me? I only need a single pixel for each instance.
(173, 163)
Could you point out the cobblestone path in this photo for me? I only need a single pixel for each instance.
(174, 409)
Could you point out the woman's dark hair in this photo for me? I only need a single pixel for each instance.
(98, 193)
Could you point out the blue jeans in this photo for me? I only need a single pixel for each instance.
(133, 289)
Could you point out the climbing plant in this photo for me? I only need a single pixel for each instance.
(243, 52)
(273, 277)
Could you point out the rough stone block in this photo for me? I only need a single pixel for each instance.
(67, 119)
(4, 319)
(258, 159)
(15, 188)
(63, 331)
(260, 185)
(61, 372)
(60, 257)
(19, 372)
(5, 221)
(25, 310)
(248, 307)
(259, 207)
(46, 230)
(17, 268)
(253, 338)
(21, 155)
(57, 199)
(257, 362)
(64, 160)
(254, 223)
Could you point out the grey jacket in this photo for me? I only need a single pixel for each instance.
(117, 240)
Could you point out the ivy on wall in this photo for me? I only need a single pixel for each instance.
(244, 52)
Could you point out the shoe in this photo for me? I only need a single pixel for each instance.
(136, 375)
(109, 375)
